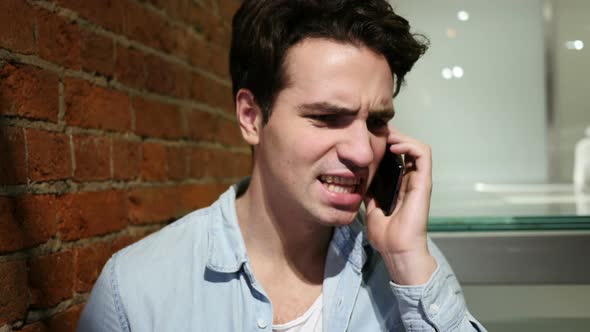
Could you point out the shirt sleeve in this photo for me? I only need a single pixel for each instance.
(104, 311)
(438, 305)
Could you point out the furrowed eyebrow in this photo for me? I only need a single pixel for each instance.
(382, 114)
(326, 108)
(323, 107)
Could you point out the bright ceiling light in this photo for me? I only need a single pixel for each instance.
(574, 45)
(457, 72)
(447, 73)
(463, 16)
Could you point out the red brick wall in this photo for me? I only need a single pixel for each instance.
(116, 117)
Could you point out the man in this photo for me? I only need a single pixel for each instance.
(287, 249)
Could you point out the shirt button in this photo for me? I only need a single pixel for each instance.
(261, 323)
(434, 308)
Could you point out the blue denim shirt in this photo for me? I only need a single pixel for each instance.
(195, 275)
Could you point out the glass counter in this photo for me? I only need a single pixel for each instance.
(509, 207)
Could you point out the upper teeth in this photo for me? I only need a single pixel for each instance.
(340, 180)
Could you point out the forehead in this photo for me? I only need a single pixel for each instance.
(322, 69)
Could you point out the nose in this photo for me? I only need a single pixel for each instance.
(355, 149)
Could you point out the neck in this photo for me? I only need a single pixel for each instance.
(280, 237)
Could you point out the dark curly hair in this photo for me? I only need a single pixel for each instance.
(264, 30)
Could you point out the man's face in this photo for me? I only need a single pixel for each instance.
(327, 131)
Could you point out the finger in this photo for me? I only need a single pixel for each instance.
(418, 154)
(402, 193)
(370, 204)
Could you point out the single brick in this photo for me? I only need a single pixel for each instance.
(202, 126)
(131, 67)
(219, 61)
(201, 163)
(93, 157)
(29, 92)
(17, 20)
(228, 132)
(13, 165)
(153, 164)
(220, 96)
(196, 196)
(58, 39)
(26, 221)
(163, 162)
(176, 162)
(198, 53)
(154, 205)
(106, 13)
(157, 119)
(11, 237)
(211, 163)
(49, 155)
(92, 106)
(98, 54)
(37, 215)
(51, 279)
(88, 262)
(13, 291)
(127, 158)
(211, 92)
(183, 77)
(89, 214)
(199, 87)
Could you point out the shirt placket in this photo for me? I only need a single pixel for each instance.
(262, 316)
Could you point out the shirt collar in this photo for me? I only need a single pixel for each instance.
(227, 250)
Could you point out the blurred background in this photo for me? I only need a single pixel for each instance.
(501, 96)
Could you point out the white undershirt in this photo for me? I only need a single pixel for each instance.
(310, 321)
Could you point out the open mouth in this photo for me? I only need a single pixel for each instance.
(340, 184)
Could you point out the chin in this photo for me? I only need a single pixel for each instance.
(336, 217)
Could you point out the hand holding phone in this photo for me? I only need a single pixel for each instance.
(401, 238)
(387, 181)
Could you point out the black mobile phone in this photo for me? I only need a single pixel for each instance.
(387, 181)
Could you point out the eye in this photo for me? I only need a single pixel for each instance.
(376, 123)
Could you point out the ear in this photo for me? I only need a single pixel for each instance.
(249, 116)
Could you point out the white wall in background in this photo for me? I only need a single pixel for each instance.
(572, 81)
(489, 125)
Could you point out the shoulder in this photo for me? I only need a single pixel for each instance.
(168, 258)
(174, 242)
